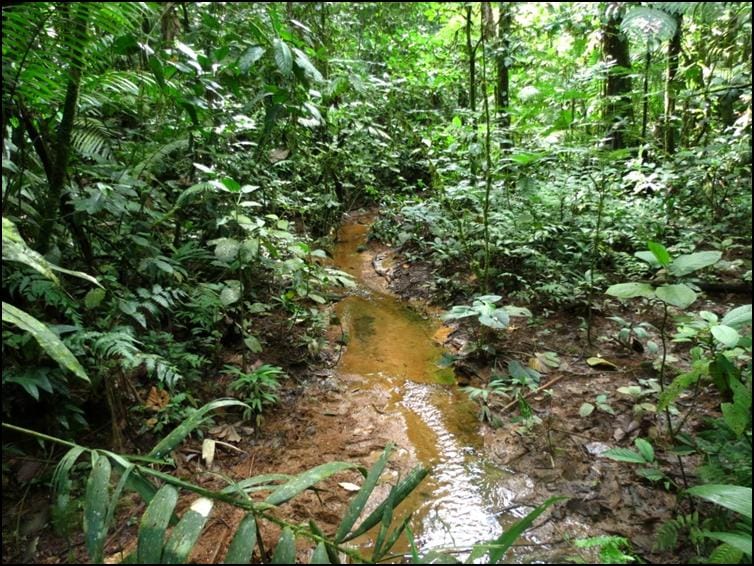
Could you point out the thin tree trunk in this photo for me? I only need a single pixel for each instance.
(671, 86)
(471, 52)
(502, 99)
(645, 95)
(618, 109)
(59, 166)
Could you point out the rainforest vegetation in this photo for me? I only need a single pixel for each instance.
(376, 282)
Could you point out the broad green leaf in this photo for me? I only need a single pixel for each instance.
(631, 290)
(94, 298)
(725, 335)
(304, 63)
(679, 295)
(79, 274)
(518, 311)
(497, 319)
(115, 497)
(330, 550)
(733, 497)
(459, 311)
(231, 293)
(285, 551)
(319, 556)
(61, 483)
(652, 474)
(357, 504)
(242, 545)
(231, 184)
(680, 384)
(624, 455)
(189, 425)
(402, 490)
(249, 57)
(95, 507)
(226, 249)
(135, 481)
(16, 249)
(46, 338)
(263, 479)
(645, 449)
(740, 541)
(738, 317)
(660, 253)
(688, 263)
(186, 532)
(283, 56)
(252, 343)
(186, 50)
(649, 257)
(736, 416)
(586, 409)
(305, 480)
(495, 550)
(154, 522)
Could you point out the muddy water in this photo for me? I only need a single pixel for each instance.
(391, 355)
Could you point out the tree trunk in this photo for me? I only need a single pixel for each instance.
(59, 166)
(618, 109)
(471, 51)
(502, 60)
(671, 87)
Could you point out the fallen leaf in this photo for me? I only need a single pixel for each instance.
(545, 361)
(442, 334)
(601, 363)
(226, 431)
(349, 486)
(208, 451)
(157, 399)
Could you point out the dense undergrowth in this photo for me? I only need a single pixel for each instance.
(173, 174)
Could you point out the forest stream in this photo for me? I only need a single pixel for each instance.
(391, 355)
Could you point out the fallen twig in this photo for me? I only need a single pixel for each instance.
(550, 383)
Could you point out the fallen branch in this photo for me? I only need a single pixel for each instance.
(550, 383)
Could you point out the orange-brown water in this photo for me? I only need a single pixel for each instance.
(391, 355)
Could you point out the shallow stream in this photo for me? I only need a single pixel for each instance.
(391, 355)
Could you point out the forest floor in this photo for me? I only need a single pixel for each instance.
(325, 416)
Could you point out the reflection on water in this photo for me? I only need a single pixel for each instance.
(391, 348)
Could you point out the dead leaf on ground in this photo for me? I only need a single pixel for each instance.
(157, 399)
(348, 486)
(442, 334)
(601, 363)
(544, 362)
(226, 431)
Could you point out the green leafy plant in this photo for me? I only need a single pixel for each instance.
(256, 388)
(643, 455)
(612, 549)
(601, 402)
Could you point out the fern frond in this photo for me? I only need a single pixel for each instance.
(670, 531)
(725, 554)
(119, 343)
(159, 155)
(91, 138)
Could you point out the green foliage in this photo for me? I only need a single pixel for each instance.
(256, 388)
(612, 549)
